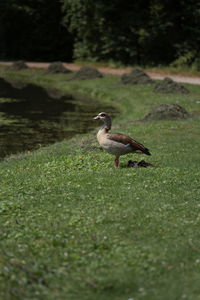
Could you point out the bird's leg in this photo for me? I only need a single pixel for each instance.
(116, 162)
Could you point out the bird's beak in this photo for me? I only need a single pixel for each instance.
(96, 118)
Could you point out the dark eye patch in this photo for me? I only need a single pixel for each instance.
(102, 115)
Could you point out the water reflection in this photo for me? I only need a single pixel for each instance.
(31, 116)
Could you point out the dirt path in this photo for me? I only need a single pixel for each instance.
(158, 76)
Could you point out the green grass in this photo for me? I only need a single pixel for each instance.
(74, 227)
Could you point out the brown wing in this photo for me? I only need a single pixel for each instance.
(124, 139)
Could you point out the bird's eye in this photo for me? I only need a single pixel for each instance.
(102, 115)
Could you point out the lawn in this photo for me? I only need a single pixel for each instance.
(74, 227)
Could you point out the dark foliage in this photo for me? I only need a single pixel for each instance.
(32, 30)
(135, 32)
(130, 32)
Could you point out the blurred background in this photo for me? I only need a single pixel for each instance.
(142, 32)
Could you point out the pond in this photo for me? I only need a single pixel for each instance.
(31, 116)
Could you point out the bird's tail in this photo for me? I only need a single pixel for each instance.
(146, 151)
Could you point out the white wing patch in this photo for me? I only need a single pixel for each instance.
(138, 151)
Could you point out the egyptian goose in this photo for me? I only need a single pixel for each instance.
(116, 143)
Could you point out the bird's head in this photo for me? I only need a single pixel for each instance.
(101, 116)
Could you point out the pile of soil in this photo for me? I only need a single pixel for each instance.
(166, 111)
(56, 68)
(139, 164)
(18, 65)
(167, 85)
(137, 76)
(87, 73)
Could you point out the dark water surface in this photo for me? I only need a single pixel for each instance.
(31, 116)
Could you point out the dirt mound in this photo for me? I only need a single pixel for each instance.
(166, 111)
(56, 68)
(167, 85)
(18, 65)
(137, 76)
(87, 73)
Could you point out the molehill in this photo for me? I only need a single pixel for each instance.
(87, 73)
(166, 111)
(137, 76)
(18, 65)
(56, 68)
(167, 85)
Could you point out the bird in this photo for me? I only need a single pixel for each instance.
(116, 143)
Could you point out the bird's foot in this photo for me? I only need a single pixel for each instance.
(116, 162)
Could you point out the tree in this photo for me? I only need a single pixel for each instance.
(106, 29)
(137, 32)
(32, 29)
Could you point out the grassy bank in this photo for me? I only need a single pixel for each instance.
(73, 227)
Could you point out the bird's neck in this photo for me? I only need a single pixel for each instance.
(104, 129)
(107, 124)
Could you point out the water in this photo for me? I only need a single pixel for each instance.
(31, 116)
